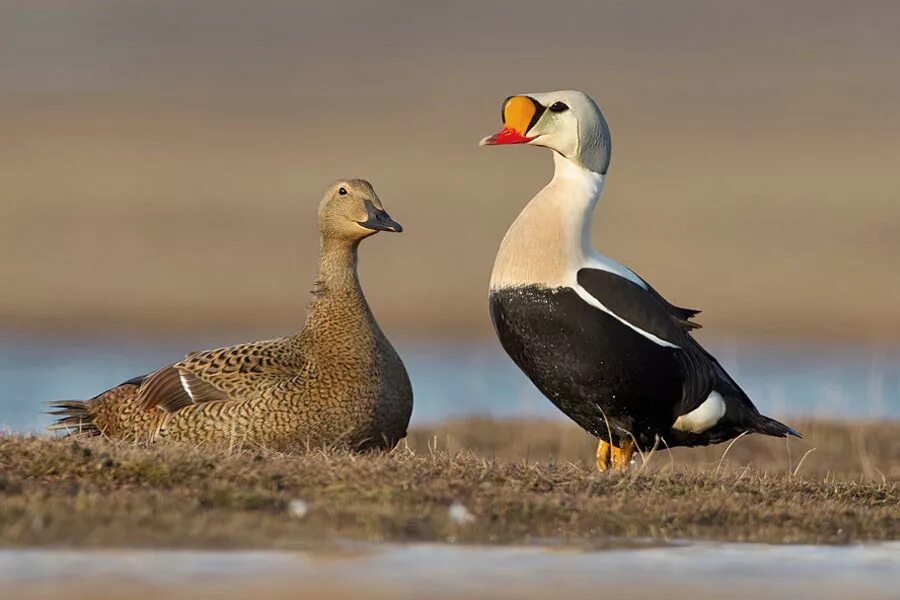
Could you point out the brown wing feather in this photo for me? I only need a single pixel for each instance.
(201, 390)
(163, 389)
(231, 373)
(166, 389)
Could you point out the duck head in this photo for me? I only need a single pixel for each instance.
(351, 210)
(568, 122)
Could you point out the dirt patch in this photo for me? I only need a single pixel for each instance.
(515, 482)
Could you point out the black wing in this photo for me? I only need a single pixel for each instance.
(684, 315)
(644, 309)
(647, 310)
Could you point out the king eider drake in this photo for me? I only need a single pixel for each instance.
(336, 382)
(605, 347)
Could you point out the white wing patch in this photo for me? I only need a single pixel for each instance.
(186, 386)
(704, 416)
(587, 297)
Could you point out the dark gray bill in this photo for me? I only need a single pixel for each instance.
(379, 220)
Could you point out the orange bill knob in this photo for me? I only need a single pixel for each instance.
(520, 113)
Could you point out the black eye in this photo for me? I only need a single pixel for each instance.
(559, 107)
(342, 191)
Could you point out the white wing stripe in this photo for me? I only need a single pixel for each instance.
(186, 387)
(587, 297)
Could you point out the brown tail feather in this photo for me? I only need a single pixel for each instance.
(74, 417)
(109, 413)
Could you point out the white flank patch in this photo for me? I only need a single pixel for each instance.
(704, 416)
(185, 385)
(587, 297)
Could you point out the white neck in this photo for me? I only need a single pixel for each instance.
(551, 238)
(578, 190)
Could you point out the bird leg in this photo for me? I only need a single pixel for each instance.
(621, 456)
(602, 455)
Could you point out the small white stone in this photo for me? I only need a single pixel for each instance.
(459, 514)
(298, 508)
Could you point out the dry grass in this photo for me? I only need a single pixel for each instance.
(829, 450)
(515, 478)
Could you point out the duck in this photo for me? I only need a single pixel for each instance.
(338, 382)
(595, 338)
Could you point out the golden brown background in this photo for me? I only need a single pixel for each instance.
(160, 162)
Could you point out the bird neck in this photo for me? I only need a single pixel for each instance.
(577, 192)
(337, 281)
(551, 237)
(339, 323)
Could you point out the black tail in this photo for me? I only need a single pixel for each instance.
(73, 417)
(775, 428)
(751, 419)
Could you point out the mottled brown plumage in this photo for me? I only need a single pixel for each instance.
(336, 382)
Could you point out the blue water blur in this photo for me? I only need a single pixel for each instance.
(453, 379)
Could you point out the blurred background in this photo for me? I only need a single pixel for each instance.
(160, 165)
